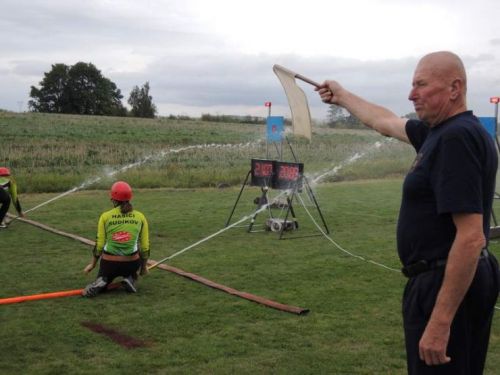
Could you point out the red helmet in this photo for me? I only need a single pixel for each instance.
(4, 171)
(121, 191)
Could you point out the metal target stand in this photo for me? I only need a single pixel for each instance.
(284, 176)
(291, 212)
(290, 219)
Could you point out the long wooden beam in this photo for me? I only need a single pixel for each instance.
(177, 271)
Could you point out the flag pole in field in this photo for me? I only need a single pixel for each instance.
(495, 100)
(495, 231)
(268, 105)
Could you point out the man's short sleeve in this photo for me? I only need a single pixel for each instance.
(417, 132)
(456, 176)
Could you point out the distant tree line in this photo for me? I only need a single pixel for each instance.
(239, 119)
(338, 117)
(82, 89)
(230, 118)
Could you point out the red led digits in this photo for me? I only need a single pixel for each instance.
(288, 172)
(263, 169)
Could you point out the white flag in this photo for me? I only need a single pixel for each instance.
(297, 100)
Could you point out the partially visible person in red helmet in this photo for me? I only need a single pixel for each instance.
(122, 243)
(8, 193)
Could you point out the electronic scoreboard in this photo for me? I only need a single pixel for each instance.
(276, 174)
(262, 172)
(287, 175)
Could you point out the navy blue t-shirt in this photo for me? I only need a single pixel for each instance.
(454, 172)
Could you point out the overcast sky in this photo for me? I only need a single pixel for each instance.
(216, 56)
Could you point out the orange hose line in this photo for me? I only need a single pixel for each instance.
(178, 271)
(40, 296)
(35, 297)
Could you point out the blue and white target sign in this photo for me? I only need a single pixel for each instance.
(489, 124)
(275, 128)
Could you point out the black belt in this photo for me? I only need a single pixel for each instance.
(422, 266)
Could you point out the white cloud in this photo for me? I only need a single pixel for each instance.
(202, 56)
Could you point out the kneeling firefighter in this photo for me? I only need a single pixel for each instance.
(8, 193)
(122, 243)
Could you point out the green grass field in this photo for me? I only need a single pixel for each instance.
(354, 323)
(53, 153)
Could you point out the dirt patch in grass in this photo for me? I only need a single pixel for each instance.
(121, 339)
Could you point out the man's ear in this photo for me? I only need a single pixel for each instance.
(456, 88)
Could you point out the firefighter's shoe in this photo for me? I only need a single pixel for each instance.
(95, 287)
(128, 284)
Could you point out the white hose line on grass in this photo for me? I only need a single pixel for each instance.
(340, 247)
(346, 251)
(245, 218)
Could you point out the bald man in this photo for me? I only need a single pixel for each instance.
(443, 225)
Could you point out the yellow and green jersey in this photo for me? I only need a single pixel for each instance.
(9, 184)
(119, 234)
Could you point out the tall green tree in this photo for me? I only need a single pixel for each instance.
(141, 102)
(335, 116)
(53, 94)
(353, 122)
(79, 89)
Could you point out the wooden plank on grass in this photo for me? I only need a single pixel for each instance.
(178, 271)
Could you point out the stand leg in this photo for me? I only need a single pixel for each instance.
(289, 201)
(289, 211)
(237, 199)
(291, 149)
(309, 190)
(262, 201)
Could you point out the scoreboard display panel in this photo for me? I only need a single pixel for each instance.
(262, 171)
(276, 174)
(287, 175)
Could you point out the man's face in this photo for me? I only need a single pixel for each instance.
(430, 95)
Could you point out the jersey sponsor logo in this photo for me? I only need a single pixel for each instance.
(127, 221)
(121, 216)
(121, 236)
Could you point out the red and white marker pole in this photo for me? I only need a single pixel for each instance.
(495, 100)
(268, 105)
